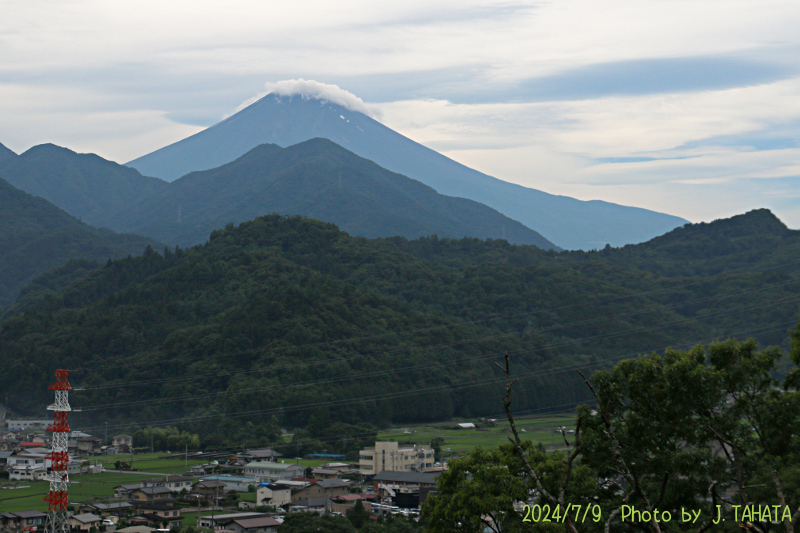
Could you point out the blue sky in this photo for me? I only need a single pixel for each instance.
(685, 107)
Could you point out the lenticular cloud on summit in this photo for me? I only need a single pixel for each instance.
(311, 89)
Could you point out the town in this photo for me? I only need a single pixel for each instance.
(248, 491)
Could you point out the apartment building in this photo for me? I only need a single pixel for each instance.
(390, 456)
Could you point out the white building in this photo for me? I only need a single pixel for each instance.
(269, 471)
(27, 466)
(274, 494)
(28, 423)
(390, 456)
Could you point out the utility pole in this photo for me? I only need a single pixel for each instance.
(186, 457)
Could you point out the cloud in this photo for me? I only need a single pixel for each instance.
(310, 89)
(654, 76)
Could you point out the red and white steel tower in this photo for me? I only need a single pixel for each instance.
(57, 499)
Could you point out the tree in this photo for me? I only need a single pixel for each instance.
(486, 484)
(358, 515)
(436, 446)
(695, 432)
(314, 523)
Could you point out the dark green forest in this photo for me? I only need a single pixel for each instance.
(36, 236)
(286, 317)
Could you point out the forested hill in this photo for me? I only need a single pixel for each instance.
(284, 314)
(319, 179)
(85, 185)
(35, 236)
(316, 178)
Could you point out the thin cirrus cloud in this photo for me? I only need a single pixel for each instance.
(635, 77)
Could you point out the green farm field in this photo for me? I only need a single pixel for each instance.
(85, 488)
(538, 428)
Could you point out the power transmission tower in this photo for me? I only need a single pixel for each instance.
(58, 476)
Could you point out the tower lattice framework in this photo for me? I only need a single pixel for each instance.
(57, 499)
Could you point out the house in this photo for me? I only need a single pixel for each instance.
(28, 473)
(260, 454)
(274, 494)
(326, 488)
(309, 505)
(20, 520)
(27, 466)
(123, 443)
(209, 489)
(84, 522)
(149, 494)
(201, 470)
(173, 483)
(27, 459)
(390, 456)
(346, 502)
(390, 482)
(28, 423)
(258, 524)
(107, 509)
(88, 445)
(268, 471)
(137, 529)
(4, 455)
(325, 473)
(217, 521)
(125, 491)
(157, 514)
(237, 483)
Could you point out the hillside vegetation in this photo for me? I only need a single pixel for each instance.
(283, 316)
(36, 236)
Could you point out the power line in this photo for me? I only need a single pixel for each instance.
(392, 395)
(423, 366)
(453, 325)
(273, 368)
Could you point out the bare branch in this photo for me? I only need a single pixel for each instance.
(627, 472)
(611, 517)
(708, 523)
(517, 442)
(789, 525)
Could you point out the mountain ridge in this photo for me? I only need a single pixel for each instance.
(568, 222)
(319, 179)
(85, 185)
(6, 153)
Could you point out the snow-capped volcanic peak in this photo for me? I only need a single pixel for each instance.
(310, 89)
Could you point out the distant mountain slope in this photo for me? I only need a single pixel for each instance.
(5, 153)
(85, 185)
(36, 236)
(318, 179)
(570, 223)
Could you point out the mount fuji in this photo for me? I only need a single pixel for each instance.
(286, 118)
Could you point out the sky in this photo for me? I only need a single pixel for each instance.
(688, 107)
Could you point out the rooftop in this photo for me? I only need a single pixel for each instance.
(87, 517)
(274, 466)
(261, 521)
(407, 477)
